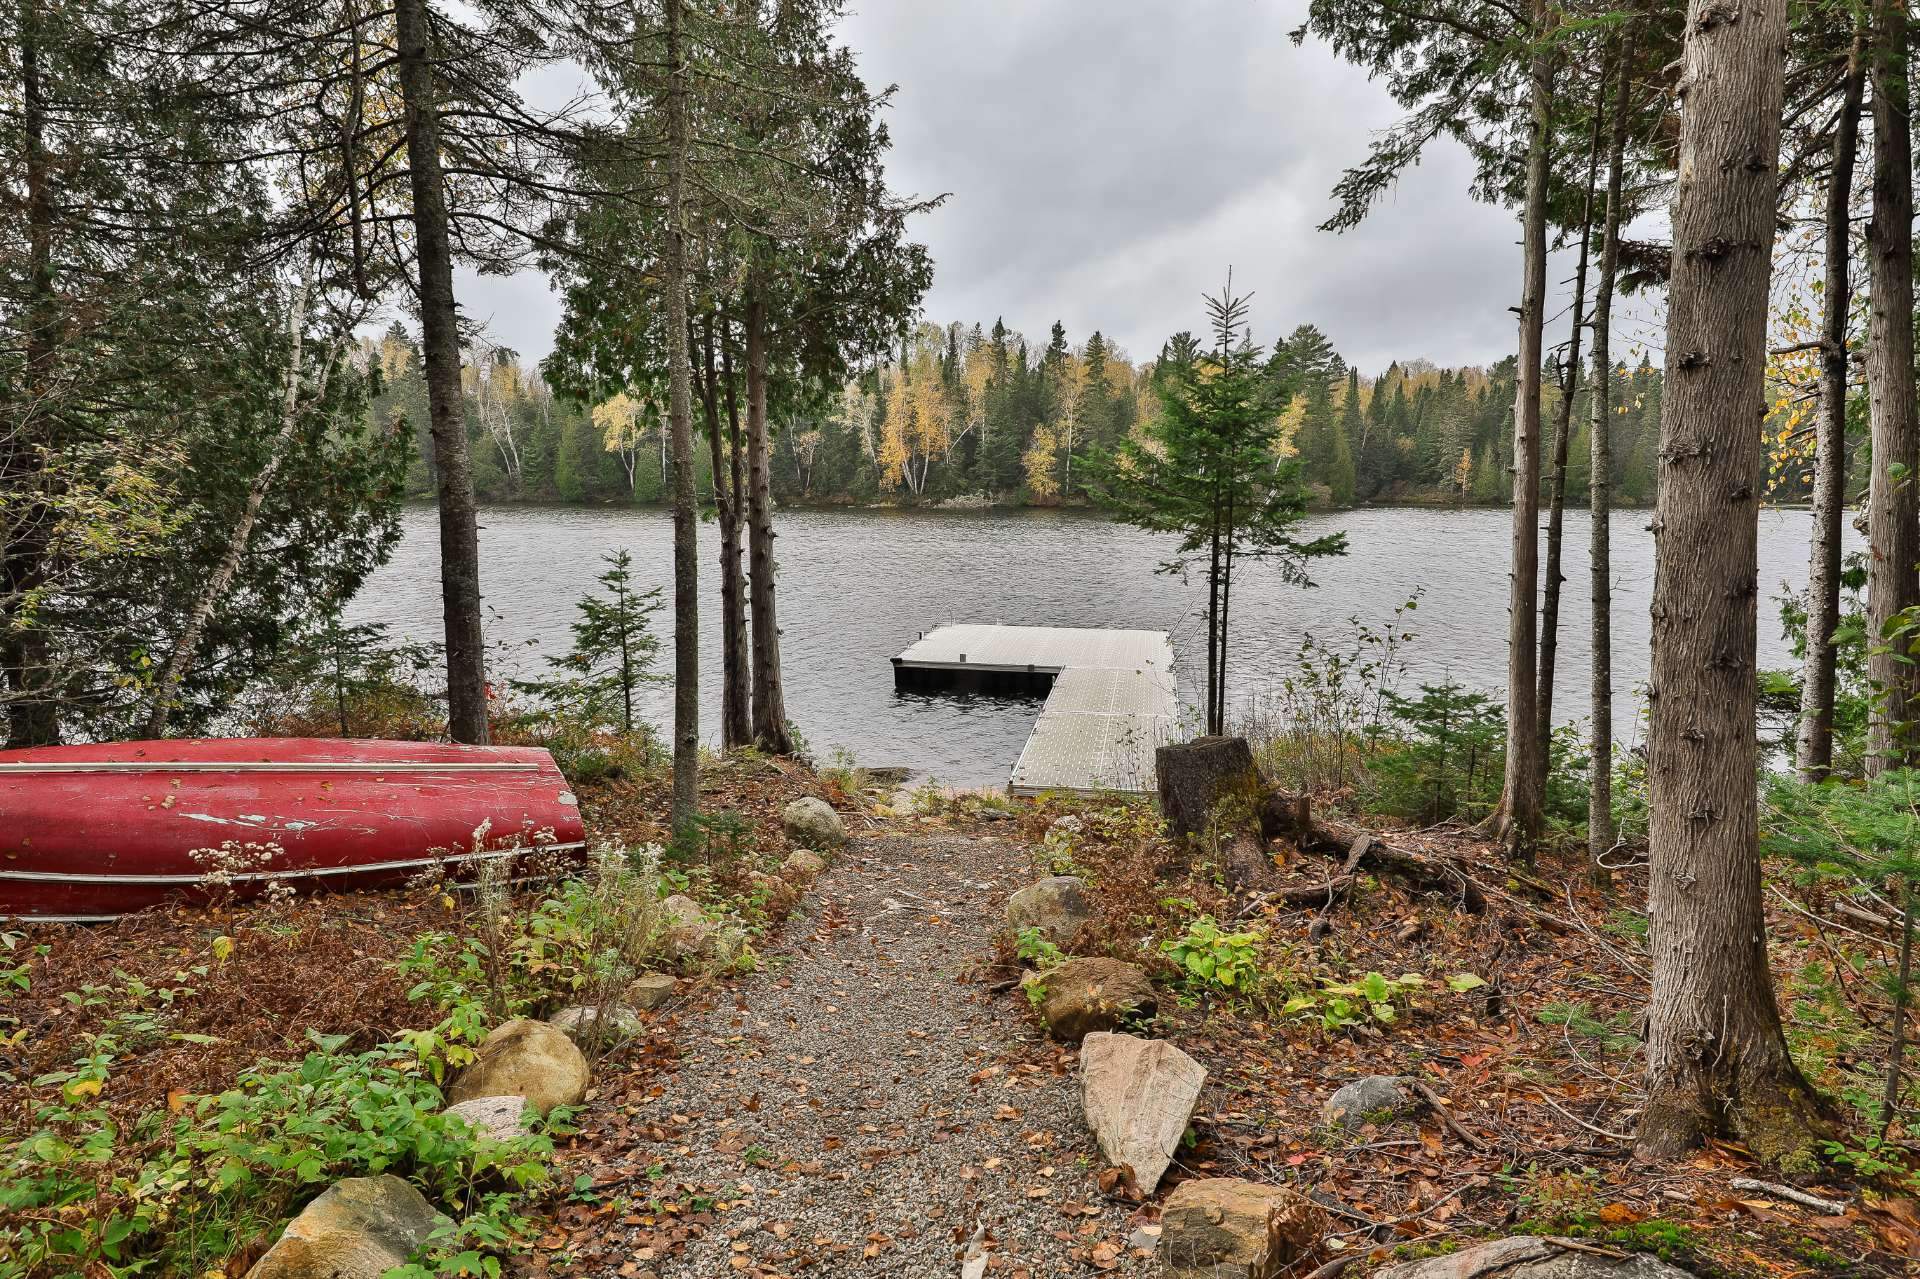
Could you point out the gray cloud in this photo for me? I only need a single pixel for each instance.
(1107, 162)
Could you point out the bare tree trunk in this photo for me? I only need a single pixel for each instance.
(1521, 799)
(1893, 505)
(770, 728)
(180, 661)
(26, 651)
(440, 347)
(1814, 746)
(1562, 431)
(736, 724)
(1717, 1062)
(1600, 832)
(686, 547)
(1214, 728)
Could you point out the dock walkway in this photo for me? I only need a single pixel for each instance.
(1111, 697)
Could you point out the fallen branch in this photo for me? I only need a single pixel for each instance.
(1448, 875)
(1831, 1207)
(1592, 1128)
(1432, 1098)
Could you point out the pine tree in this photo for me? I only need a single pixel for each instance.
(612, 654)
(1206, 472)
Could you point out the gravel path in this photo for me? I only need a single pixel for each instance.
(859, 1107)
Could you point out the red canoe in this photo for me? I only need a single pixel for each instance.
(93, 832)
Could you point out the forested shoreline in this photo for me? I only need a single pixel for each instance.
(966, 416)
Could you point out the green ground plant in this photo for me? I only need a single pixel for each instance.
(1213, 960)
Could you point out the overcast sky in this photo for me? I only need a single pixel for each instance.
(1105, 163)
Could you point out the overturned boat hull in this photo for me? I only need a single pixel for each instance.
(98, 831)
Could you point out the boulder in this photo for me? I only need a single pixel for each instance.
(358, 1228)
(1531, 1257)
(649, 990)
(802, 867)
(1085, 995)
(602, 1024)
(1226, 1228)
(1355, 1104)
(812, 823)
(496, 1118)
(688, 928)
(1057, 906)
(1138, 1095)
(529, 1059)
(1063, 829)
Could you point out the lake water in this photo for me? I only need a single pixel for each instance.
(856, 587)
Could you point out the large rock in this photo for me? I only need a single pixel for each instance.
(1531, 1257)
(1057, 906)
(649, 990)
(1226, 1228)
(529, 1059)
(812, 823)
(359, 1228)
(1355, 1104)
(1085, 995)
(1138, 1095)
(495, 1118)
(688, 928)
(598, 1024)
(802, 867)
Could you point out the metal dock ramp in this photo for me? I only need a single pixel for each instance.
(1111, 697)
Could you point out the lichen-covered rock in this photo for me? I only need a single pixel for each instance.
(496, 1118)
(688, 929)
(1364, 1100)
(1138, 1095)
(1531, 1257)
(1057, 906)
(601, 1024)
(1226, 1228)
(802, 867)
(1085, 995)
(812, 823)
(527, 1058)
(358, 1228)
(649, 990)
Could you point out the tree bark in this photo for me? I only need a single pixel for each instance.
(736, 724)
(686, 548)
(1814, 745)
(770, 727)
(180, 661)
(1562, 431)
(1893, 503)
(1717, 1062)
(1198, 779)
(440, 350)
(26, 651)
(1600, 832)
(1519, 815)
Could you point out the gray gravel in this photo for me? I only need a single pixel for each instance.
(857, 1107)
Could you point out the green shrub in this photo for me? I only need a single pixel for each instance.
(1210, 958)
(182, 1194)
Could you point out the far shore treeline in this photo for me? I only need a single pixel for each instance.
(974, 415)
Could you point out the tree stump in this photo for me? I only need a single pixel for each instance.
(1207, 780)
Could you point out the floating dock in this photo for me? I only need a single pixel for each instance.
(1110, 697)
